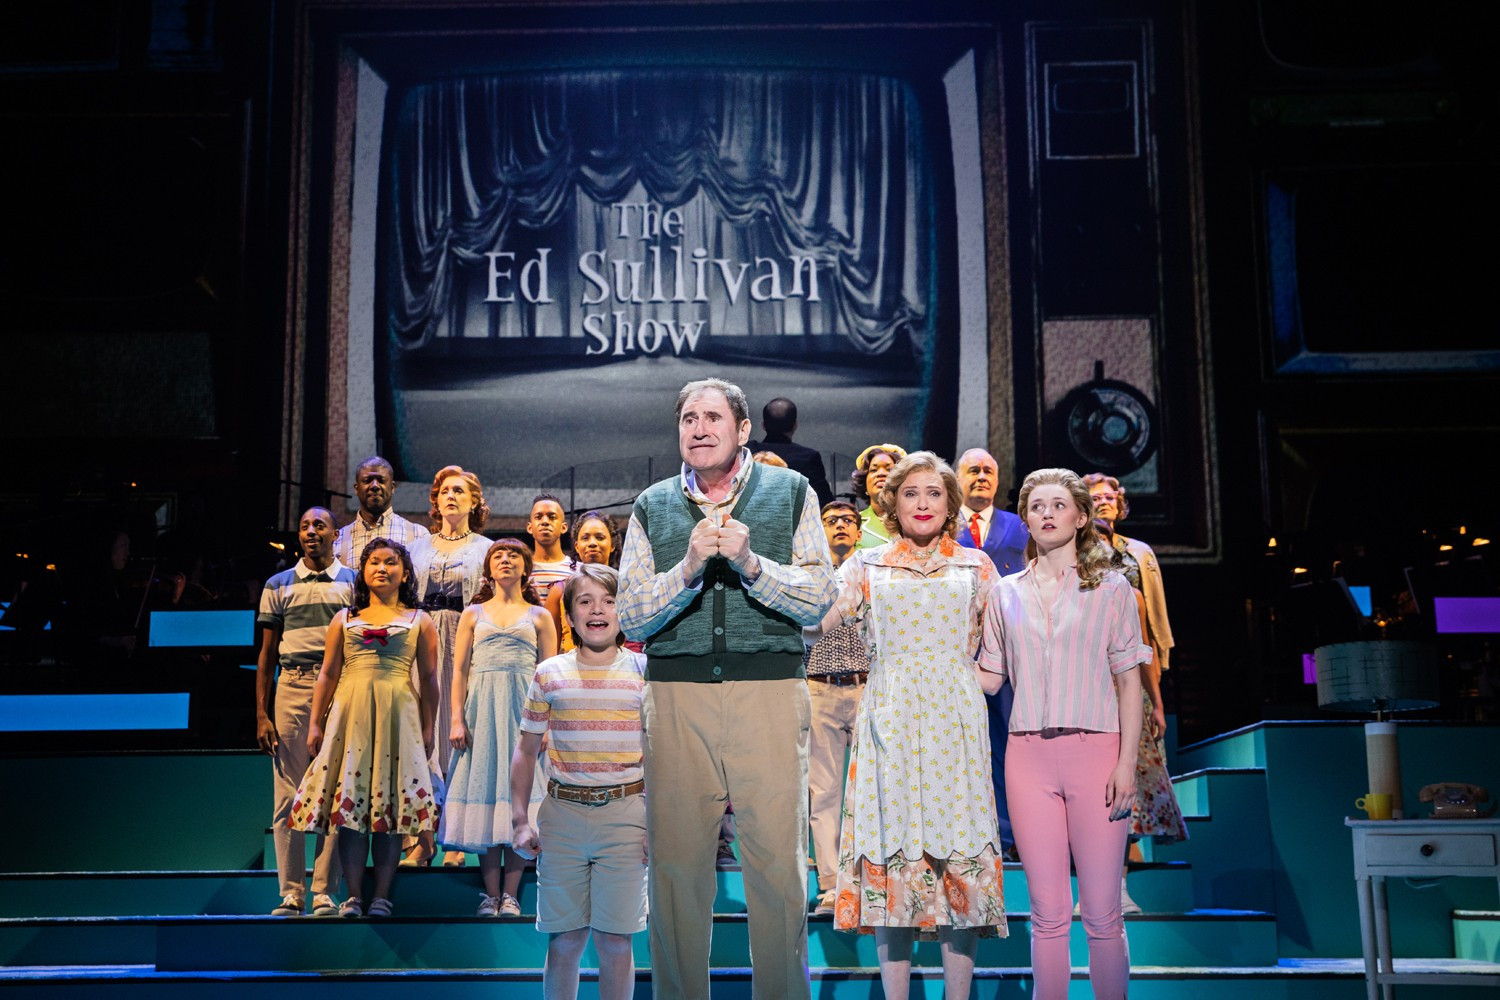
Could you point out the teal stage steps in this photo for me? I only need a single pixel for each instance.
(1258, 904)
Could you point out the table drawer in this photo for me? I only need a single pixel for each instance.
(1440, 850)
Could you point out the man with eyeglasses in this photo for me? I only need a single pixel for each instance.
(837, 666)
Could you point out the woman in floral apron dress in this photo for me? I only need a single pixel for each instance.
(919, 852)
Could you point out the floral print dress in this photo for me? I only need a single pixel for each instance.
(919, 845)
(371, 774)
(1156, 812)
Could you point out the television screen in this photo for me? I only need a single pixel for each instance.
(1379, 260)
(559, 252)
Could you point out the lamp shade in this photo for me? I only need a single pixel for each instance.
(1380, 676)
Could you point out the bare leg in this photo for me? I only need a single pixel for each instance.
(616, 966)
(958, 946)
(423, 846)
(560, 973)
(386, 853)
(489, 871)
(515, 867)
(893, 949)
(354, 848)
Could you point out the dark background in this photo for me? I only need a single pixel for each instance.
(159, 288)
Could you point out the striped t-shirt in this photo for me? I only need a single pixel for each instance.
(546, 575)
(300, 602)
(594, 715)
(1062, 664)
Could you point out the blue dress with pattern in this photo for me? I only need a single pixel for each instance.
(501, 665)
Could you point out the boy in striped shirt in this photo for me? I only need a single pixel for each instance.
(590, 833)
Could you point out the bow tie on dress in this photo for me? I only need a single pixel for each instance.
(372, 635)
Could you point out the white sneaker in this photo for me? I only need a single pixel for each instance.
(489, 906)
(324, 906)
(825, 903)
(291, 906)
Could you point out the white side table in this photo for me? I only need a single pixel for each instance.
(1424, 848)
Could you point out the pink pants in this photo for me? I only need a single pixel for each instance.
(1055, 789)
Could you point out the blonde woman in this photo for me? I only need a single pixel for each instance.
(920, 849)
(1066, 632)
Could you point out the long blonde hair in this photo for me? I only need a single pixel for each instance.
(1094, 557)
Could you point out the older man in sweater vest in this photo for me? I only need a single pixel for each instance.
(722, 567)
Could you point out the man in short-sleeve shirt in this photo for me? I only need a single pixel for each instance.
(296, 608)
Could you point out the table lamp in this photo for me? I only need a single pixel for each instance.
(1381, 676)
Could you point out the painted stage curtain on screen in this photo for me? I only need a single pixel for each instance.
(767, 171)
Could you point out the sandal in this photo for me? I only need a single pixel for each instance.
(380, 907)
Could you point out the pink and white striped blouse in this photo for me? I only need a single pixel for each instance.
(1062, 669)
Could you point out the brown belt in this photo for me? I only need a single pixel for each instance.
(840, 680)
(1053, 732)
(593, 795)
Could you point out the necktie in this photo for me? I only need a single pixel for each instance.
(976, 530)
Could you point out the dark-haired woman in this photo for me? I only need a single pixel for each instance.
(501, 639)
(450, 571)
(867, 480)
(369, 773)
(596, 540)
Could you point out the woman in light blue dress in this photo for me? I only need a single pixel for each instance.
(501, 638)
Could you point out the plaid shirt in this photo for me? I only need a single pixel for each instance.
(802, 589)
(354, 536)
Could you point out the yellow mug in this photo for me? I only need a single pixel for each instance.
(1376, 804)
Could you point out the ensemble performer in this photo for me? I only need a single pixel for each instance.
(296, 608)
(1002, 536)
(723, 566)
(1156, 812)
(1111, 505)
(374, 488)
(596, 541)
(372, 730)
(1065, 632)
(919, 851)
(501, 639)
(547, 525)
(778, 421)
(867, 479)
(837, 665)
(589, 836)
(450, 570)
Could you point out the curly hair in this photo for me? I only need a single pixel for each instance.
(1094, 557)
(478, 514)
(1121, 504)
(406, 593)
(915, 462)
(861, 470)
(610, 526)
(487, 590)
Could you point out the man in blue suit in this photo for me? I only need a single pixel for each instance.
(1003, 536)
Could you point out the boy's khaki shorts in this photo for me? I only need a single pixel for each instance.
(591, 871)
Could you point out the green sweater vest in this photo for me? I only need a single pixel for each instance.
(725, 634)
